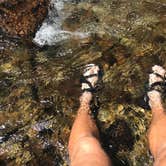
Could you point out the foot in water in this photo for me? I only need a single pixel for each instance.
(84, 144)
(89, 81)
(157, 130)
(154, 94)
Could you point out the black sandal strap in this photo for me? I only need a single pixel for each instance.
(162, 77)
(92, 75)
(159, 86)
(89, 90)
(84, 80)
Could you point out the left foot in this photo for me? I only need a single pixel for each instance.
(90, 79)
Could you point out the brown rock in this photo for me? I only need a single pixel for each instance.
(78, 18)
(22, 17)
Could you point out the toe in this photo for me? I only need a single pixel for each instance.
(88, 67)
(153, 78)
(96, 69)
(91, 70)
(158, 69)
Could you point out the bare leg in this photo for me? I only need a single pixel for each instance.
(84, 145)
(157, 131)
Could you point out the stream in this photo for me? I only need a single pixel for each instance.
(40, 80)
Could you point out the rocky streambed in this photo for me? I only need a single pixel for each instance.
(40, 73)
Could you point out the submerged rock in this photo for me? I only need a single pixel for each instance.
(78, 18)
(22, 17)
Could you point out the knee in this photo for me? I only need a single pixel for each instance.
(88, 149)
(84, 145)
(89, 144)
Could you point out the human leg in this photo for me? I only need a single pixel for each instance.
(84, 145)
(157, 130)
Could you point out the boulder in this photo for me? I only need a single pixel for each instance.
(22, 17)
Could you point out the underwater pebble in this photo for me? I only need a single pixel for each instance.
(45, 101)
(1, 139)
(41, 126)
(60, 145)
(142, 110)
(2, 151)
(120, 107)
(2, 127)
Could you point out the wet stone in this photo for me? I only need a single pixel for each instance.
(79, 18)
(17, 20)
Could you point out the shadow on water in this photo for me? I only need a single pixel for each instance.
(117, 137)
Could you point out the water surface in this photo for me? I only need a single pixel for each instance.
(39, 80)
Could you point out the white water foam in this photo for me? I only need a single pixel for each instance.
(51, 31)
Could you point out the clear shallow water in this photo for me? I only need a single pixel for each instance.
(39, 87)
(51, 31)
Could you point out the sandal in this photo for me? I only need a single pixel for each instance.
(159, 86)
(87, 83)
(92, 85)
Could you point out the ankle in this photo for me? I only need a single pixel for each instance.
(157, 111)
(155, 100)
(85, 98)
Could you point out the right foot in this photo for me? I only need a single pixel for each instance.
(155, 100)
